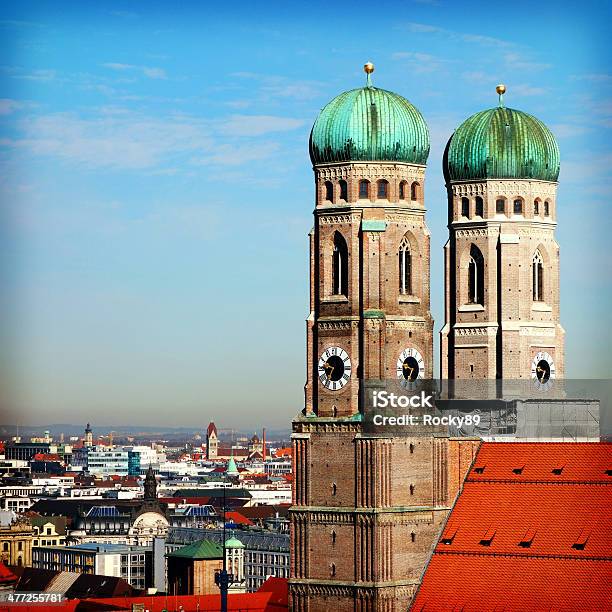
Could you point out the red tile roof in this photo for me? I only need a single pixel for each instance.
(271, 597)
(238, 519)
(530, 530)
(470, 583)
(6, 576)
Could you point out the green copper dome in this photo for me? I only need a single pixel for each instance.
(501, 143)
(369, 124)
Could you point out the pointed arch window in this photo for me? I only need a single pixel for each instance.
(405, 267)
(340, 266)
(546, 209)
(329, 191)
(414, 191)
(479, 207)
(536, 207)
(343, 190)
(364, 190)
(500, 206)
(465, 207)
(476, 276)
(537, 271)
(383, 190)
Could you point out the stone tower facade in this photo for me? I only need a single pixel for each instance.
(502, 316)
(366, 508)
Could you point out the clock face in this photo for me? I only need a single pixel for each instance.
(543, 369)
(410, 365)
(334, 368)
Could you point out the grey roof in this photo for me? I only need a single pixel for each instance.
(252, 540)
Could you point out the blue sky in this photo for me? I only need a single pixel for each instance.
(156, 191)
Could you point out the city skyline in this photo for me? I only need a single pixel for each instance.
(150, 156)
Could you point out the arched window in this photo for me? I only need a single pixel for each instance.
(5, 547)
(414, 191)
(405, 267)
(537, 272)
(364, 190)
(518, 206)
(340, 266)
(479, 207)
(500, 206)
(536, 207)
(476, 276)
(413, 537)
(333, 536)
(329, 191)
(343, 190)
(402, 190)
(546, 209)
(465, 207)
(411, 489)
(332, 568)
(383, 190)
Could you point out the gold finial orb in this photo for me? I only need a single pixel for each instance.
(501, 89)
(368, 67)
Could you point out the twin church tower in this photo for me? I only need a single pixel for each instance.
(367, 508)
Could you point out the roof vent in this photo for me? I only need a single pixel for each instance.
(609, 472)
(487, 538)
(479, 469)
(518, 469)
(558, 469)
(527, 539)
(449, 535)
(581, 540)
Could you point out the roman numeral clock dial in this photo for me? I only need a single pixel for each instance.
(334, 368)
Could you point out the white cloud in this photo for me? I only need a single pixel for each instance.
(594, 77)
(237, 155)
(517, 61)
(151, 72)
(38, 75)
(528, 90)
(118, 138)
(423, 28)
(8, 106)
(422, 62)
(257, 125)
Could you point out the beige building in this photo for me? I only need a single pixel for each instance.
(16, 543)
(502, 316)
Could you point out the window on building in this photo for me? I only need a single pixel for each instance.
(465, 207)
(383, 190)
(500, 206)
(344, 190)
(415, 191)
(546, 209)
(333, 569)
(537, 272)
(402, 190)
(364, 190)
(340, 266)
(329, 191)
(479, 208)
(411, 489)
(5, 547)
(476, 276)
(536, 207)
(413, 537)
(518, 206)
(334, 488)
(19, 545)
(405, 267)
